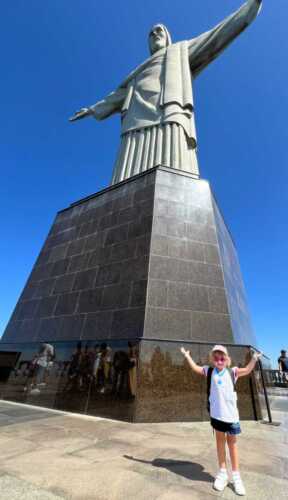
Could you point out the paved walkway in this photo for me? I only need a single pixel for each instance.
(51, 456)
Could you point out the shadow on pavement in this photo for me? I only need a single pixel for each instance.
(189, 470)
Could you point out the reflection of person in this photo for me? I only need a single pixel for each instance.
(133, 356)
(156, 101)
(121, 366)
(73, 375)
(41, 364)
(283, 361)
(283, 365)
(222, 404)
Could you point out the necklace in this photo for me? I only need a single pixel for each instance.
(220, 374)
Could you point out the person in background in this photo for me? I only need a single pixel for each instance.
(283, 365)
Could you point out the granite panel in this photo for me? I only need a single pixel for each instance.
(85, 279)
(166, 323)
(135, 269)
(108, 221)
(217, 300)
(98, 325)
(46, 307)
(116, 235)
(138, 293)
(235, 290)
(64, 283)
(109, 274)
(128, 323)
(160, 245)
(168, 391)
(99, 256)
(43, 257)
(124, 250)
(58, 252)
(50, 328)
(60, 267)
(71, 327)
(140, 227)
(185, 249)
(116, 296)
(30, 291)
(26, 309)
(211, 254)
(96, 240)
(211, 327)
(90, 300)
(88, 228)
(41, 272)
(78, 263)
(158, 292)
(182, 270)
(44, 288)
(76, 247)
(187, 296)
(67, 303)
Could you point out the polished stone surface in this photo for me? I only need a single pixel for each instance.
(151, 257)
(90, 278)
(61, 456)
(170, 391)
(149, 381)
(149, 260)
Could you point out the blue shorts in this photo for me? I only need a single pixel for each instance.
(226, 427)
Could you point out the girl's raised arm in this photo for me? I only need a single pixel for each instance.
(196, 368)
(242, 372)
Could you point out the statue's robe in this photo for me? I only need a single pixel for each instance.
(156, 101)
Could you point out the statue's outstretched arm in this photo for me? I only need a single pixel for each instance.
(206, 47)
(111, 104)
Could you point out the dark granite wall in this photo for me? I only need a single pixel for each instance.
(148, 257)
(153, 382)
(90, 278)
(170, 391)
(235, 291)
(186, 296)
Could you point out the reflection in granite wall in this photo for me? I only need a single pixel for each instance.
(170, 391)
(186, 295)
(90, 278)
(146, 381)
(235, 291)
(94, 377)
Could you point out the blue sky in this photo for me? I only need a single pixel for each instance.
(59, 55)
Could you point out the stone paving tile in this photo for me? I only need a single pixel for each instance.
(15, 489)
(80, 458)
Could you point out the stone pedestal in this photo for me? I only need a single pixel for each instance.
(148, 261)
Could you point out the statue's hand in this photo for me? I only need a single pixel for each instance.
(80, 114)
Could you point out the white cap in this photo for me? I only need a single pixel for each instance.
(220, 348)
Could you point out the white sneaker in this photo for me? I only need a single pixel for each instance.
(35, 391)
(238, 485)
(221, 480)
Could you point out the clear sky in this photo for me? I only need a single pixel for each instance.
(60, 55)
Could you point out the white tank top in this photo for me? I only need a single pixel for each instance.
(223, 398)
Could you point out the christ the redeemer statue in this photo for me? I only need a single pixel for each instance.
(156, 100)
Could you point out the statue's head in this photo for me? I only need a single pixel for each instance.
(159, 37)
